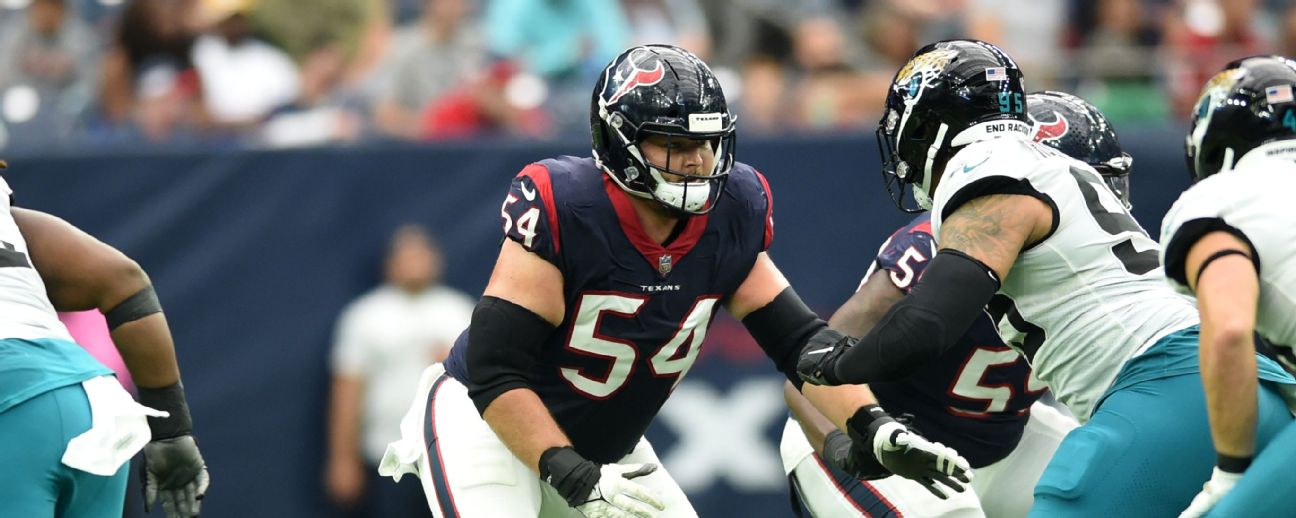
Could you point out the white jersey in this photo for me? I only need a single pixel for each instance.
(25, 309)
(1253, 201)
(1087, 298)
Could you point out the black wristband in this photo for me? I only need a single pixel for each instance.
(170, 399)
(572, 475)
(1232, 464)
(865, 423)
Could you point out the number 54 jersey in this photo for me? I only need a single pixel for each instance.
(1087, 297)
(637, 311)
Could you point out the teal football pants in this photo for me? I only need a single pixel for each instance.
(1266, 489)
(33, 480)
(1146, 451)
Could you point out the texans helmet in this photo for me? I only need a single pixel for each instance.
(1247, 104)
(661, 90)
(1079, 129)
(950, 94)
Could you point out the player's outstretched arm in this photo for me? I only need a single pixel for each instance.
(520, 308)
(81, 273)
(782, 325)
(979, 243)
(1220, 271)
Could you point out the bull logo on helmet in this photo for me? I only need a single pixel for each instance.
(637, 77)
(1045, 131)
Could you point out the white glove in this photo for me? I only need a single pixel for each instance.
(911, 456)
(617, 496)
(1220, 483)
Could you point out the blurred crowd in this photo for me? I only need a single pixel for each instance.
(87, 74)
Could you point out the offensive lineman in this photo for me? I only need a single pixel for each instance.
(979, 397)
(1071, 279)
(67, 428)
(1229, 240)
(601, 296)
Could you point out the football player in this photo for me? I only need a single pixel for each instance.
(603, 291)
(1229, 240)
(67, 428)
(1070, 278)
(979, 397)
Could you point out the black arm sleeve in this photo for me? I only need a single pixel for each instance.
(948, 298)
(504, 342)
(782, 329)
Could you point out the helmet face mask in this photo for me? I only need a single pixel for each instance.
(947, 96)
(660, 90)
(1246, 105)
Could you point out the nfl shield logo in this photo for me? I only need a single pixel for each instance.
(664, 264)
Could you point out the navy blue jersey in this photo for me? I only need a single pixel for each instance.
(975, 398)
(636, 311)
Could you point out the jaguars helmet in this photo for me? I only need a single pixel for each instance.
(661, 90)
(1247, 104)
(1079, 129)
(950, 94)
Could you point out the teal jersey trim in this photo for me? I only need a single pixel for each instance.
(29, 368)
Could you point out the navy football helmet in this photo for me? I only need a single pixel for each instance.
(661, 90)
(1079, 129)
(1247, 104)
(950, 94)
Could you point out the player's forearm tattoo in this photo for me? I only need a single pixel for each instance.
(992, 229)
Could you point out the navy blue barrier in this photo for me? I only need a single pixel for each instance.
(255, 253)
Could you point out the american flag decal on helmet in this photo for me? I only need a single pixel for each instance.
(996, 74)
(1278, 94)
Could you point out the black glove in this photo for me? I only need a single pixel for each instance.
(843, 454)
(606, 491)
(819, 357)
(908, 454)
(173, 469)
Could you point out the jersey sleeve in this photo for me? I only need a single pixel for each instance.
(529, 214)
(1199, 211)
(905, 256)
(1002, 166)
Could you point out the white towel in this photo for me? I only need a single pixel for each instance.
(118, 430)
(403, 455)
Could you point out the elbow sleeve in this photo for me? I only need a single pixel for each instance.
(504, 341)
(949, 297)
(782, 328)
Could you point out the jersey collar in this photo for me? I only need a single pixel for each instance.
(661, 258)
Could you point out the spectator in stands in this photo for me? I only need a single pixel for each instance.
(1029, 30)
(325, 112)
(1119, 70)
(384, 340)
(429, 59)
(675, 22)
(1204, 35)
(243, 78)
(361, 29)
(829, 92)
(51, 54)
(148, 79)
(564, 42)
